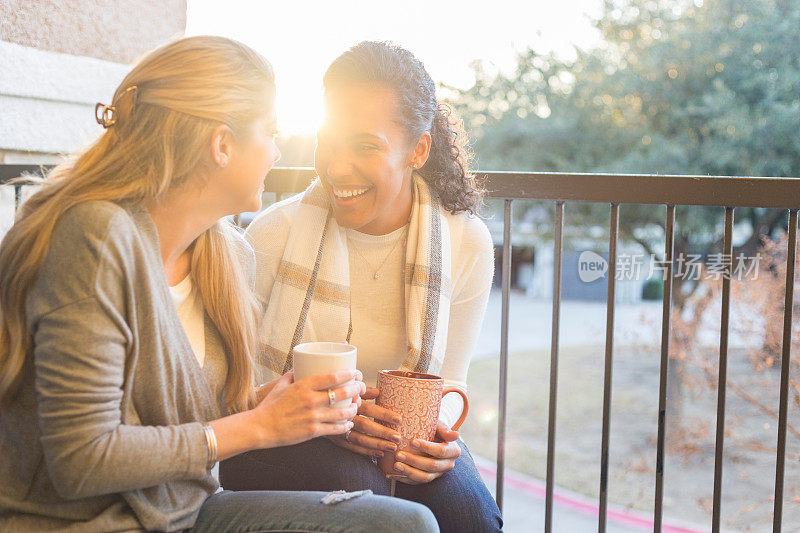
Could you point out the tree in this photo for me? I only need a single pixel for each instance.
(678, 87)
(674, 88)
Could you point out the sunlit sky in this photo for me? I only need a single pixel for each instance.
(301, 38)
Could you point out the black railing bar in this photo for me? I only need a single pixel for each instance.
(666, 315)
(646, 189)
(744, 191)
(786, 353)
(17, 197)
(280, 180)
(10, 172)
(727, 251)
(503, 387)
(551, 421)
(612, 270)
(617, 188)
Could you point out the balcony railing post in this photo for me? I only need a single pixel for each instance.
(17, 197)
(551, 421)
(666, 312)
(786, 355)
(612, 272)
(727, 251)
(503, 388)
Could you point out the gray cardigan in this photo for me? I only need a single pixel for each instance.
(105, 431)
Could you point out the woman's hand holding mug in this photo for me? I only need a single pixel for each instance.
(417, 397)
(424, 460)
(296, 411)
(368, 437)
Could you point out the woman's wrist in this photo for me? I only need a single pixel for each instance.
(257, 435)
(237, 433)
(211, 446)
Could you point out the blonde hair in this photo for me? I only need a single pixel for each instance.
(162, 130)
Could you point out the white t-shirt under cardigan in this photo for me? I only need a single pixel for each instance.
(189, 305)
(378, 305)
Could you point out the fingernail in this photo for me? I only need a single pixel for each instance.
(397, 438)
(349, 425)
(397, 420)
(401, 456)
(415, 443)
(391, 448)
(378, 454)
(398, 467)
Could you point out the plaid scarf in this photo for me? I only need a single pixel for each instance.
(310, 298)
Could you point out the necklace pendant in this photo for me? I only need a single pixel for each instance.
(375, 276)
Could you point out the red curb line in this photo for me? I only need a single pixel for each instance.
(622, 516)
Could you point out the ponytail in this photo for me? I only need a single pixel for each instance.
(446, 170)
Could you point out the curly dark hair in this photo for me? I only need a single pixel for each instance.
(447, 169)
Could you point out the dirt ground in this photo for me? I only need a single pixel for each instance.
(750, 433)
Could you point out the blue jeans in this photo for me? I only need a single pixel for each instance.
(459, 499)
(264, 511)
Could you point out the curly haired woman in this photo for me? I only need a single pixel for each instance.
(385, 250)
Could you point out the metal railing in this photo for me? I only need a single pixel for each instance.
(615, 189)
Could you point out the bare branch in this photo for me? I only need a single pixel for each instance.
(753, 400)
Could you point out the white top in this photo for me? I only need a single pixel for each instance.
(190, 308)
(378, 305)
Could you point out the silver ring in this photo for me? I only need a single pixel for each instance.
(331, 397)
(347, 435)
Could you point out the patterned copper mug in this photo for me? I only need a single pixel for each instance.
(417, 398)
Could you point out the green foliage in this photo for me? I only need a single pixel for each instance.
(676, 87)
(653, 289)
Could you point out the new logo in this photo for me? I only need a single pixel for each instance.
(591, 266)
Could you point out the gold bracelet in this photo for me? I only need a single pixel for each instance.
(211, 446)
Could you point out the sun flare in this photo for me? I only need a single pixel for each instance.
(301, 39)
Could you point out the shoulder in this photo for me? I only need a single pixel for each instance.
(469, 234)
(233, 235)
(93, 218)
(472, 255)
(85, 230)
(271, 226)
(242, 251)
(89, 240)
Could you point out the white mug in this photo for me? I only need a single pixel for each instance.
(315, 358)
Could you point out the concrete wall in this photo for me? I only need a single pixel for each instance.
(118, 31)
(47, 100)
(59, 58)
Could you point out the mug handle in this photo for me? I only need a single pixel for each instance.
(464, 411)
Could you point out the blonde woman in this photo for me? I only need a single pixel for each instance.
(127, 323)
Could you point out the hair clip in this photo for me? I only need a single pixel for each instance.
(106, 115)
(133, 90)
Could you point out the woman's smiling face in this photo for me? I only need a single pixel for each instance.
(363, 158)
